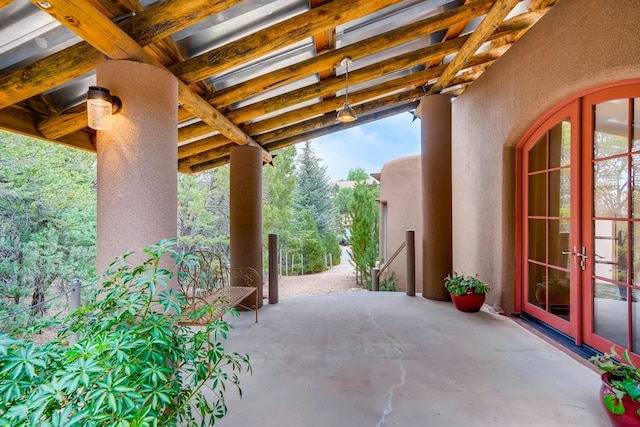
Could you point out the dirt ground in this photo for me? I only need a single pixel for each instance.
(337, 280)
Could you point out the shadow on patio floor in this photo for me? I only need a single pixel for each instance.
(385, 359)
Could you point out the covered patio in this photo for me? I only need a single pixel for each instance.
(206, 83)
(386, 359)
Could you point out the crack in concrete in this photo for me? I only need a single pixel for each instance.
(403, 376)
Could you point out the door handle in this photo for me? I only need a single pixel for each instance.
(582, 255)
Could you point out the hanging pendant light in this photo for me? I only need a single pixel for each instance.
(346, 113)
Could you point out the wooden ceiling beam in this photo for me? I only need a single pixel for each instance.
(201, 146)
(541, 4)
(90, 24)
(208, 159)
(61, 124)
(316, 90)
(329, 119)
(375, 44)
(398, 63)
(275, 37)
(153, 24)
(318, 127)
(452, 32)
(221, 161)
(306, 118)
(332, 84)
(19, 120)
(365, 74)
(342, 126)
(55, 126)
(482, 33)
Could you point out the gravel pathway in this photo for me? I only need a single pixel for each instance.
(338, 280)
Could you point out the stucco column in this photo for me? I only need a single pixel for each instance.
(245, 212)
(435, 113)
(137, 161)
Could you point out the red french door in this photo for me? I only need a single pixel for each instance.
(580, 220)
(611, 218)
(551, 235)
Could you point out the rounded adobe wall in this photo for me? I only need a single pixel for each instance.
(137, 161)
(578, 45)
(400, 191)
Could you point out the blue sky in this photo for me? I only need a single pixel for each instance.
(368, 146)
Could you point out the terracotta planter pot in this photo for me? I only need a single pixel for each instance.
(469, 302)
(630, 417)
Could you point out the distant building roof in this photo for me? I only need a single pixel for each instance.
(351, 184)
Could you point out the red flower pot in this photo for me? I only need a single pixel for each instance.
(469, 302)
(630, 417)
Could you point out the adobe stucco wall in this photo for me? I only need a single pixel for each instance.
(578, 45)
(137, 161)
(400, 188)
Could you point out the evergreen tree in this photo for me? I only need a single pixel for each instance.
(203, 211)
(279, 199)
(364, 216)
(315, 191)
(47, 220)
(315, 195)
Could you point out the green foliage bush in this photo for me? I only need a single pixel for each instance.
(389, 283)
(47, 222)
(333, 248)
(364, 214)
(132, 364)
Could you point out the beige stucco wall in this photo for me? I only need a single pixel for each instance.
(137, 161)
(400, 190)
(578, 45)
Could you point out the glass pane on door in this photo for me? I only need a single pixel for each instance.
(616, 199)
(548, 221)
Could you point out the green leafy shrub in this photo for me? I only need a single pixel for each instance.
(132, 365)
(389, 283)
(459, 284)
(625, 379)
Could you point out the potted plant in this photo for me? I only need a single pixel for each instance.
(467, 292)
(620, 390)
(130, 363)
(558, 292)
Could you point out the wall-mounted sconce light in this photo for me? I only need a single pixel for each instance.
(346, 113)
(100, 106)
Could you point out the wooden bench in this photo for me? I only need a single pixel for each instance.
(211, 289)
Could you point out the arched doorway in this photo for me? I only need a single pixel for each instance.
(580, 219)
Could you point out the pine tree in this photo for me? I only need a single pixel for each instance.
(315, 196)
(47, 220)
(203, 211)
(315, 191)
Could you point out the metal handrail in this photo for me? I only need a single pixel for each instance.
(75, 283)
(395, 254)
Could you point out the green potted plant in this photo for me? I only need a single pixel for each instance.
(122, 359)
(558, 291)
(620, 390)
(467, 292)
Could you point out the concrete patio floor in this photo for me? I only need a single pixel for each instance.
(386, 359)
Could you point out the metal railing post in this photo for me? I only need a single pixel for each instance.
(411, 263)
(375, 285)
(75, 302)
(273, 268)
